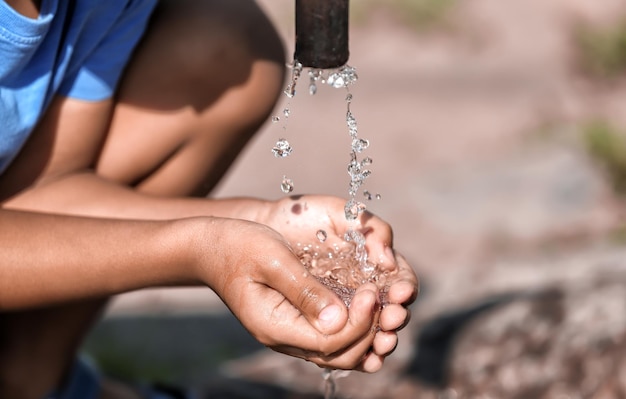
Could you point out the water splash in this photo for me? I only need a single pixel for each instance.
(352, 210)
(358, 169)
(360, 252)
(343, 77)
(342, 268)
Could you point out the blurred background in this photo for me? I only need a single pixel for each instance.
(497, 131)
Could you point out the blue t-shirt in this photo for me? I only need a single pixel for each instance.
(74, 48)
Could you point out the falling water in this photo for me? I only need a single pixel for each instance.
(342, 269)
(358, 170)
(331, 385)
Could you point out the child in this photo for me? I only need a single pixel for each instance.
(117, 118)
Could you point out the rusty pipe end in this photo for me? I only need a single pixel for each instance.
(322, 33)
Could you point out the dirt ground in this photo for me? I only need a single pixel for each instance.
(474, 125)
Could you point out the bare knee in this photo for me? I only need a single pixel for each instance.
(205, 77)
(202, 50)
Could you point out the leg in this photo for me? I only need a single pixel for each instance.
(36, 346)
(205, 77)
(202, 83)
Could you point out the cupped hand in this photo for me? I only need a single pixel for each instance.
(299, 219)
(253, 269)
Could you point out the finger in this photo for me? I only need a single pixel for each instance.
(393, 317)
(385, 343)
(371, 363)
(300, 334)
(320, 306)
(402, 292)
(364, 319)
(361, 321)
(379, 241)
(404, 286)
(346, 349)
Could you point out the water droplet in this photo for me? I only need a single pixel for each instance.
(335, 80)
(361, 254)
(353, 208)
(354, 187)
(349, 97)
(290, 91)
(378, 196)
(367, 195)
(286, 185)
(354, 168)
(351, 235)
(366, 161)
(351, 122)
(296, 70)
(343, 77)
(321, 235)
(315, 74)
(359, 145)
(286, 112)
(348, 74)
(282, 149)
(275, 118)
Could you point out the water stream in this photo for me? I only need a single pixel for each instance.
(341, 268)
(330, 384)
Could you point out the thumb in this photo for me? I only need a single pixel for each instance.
(322, 308)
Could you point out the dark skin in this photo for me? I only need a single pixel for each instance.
(110, 196)
(27, 8)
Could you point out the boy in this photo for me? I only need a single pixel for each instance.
(117, 118)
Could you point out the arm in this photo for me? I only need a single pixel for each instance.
(47, 259)
(297, 219)
(259, 279)
(248, 264)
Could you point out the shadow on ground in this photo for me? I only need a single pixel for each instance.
(168, 352)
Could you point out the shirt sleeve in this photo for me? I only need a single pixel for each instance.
(20, 38)
(97, 76)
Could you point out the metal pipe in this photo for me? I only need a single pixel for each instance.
(322, 33)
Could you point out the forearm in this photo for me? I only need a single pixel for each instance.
(86, 194)
(46, 259)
